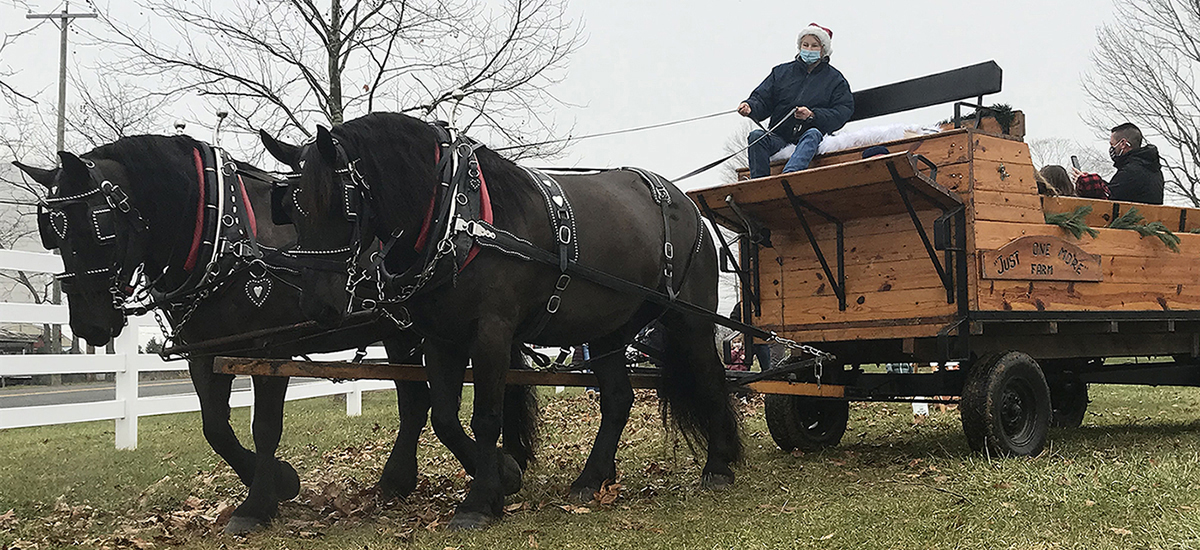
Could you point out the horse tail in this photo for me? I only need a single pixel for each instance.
(692, 393)
(520, 419)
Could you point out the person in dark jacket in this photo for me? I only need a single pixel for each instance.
(807, 98)
(1139, 176)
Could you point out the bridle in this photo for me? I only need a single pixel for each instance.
(107, 204)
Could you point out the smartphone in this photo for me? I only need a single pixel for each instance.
(1075, 162)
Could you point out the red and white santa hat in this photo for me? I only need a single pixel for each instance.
(822, 34)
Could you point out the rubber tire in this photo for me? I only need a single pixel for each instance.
(806, 423)
(1005, 407)
(1069, 401)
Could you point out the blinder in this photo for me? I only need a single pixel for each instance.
(279, 211)
(52, 227)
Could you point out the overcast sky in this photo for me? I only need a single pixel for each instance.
(648, 61)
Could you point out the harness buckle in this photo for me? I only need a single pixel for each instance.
(563, 281)
(552, 305)
(564, 234)
(669, 250)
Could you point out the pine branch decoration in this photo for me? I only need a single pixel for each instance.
(1073, 223)
(1159, 230)
(1132, 219)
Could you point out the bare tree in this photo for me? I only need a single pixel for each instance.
(1058, 151)
(8, 91)
(286, 65)
(1144, 71)
(108, 111)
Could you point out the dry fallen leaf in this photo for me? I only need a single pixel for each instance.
(1089, 502)
(826, 537)
(533, 542)
(1120, 531)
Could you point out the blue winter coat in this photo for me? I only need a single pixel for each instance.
(790, 85)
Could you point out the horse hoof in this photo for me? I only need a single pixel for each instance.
(390, 488)
(581, 495)
(510, 475)
(289, 481)
(244, 525)
(466, 521)
(715, 482)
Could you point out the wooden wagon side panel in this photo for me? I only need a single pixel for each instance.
(1136, 273)
(892, 288)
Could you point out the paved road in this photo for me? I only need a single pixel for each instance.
(29, 396)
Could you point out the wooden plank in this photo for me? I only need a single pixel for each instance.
(388, 371)
(1007, 207)
(1065, 296)
(1005, 177)
(998, 149)
(1100, 216)
(1102, 212)
(416, 373)
(797, 388)
(864, 306)
(846, 176)
(947, 147)
(869, 276)
(915, 327)
(991, 235)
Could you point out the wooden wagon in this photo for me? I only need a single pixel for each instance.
(939, 252)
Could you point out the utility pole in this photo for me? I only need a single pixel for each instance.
(64, 21)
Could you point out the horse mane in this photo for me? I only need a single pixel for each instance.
(396, 151)
(162, 168)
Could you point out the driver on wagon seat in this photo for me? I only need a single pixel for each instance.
(807, 99)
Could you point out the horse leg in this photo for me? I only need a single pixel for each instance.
(213, 390)
(616, 399)
(520, 424)
(694, 381)
(262, 504)
(399, 476)
(412, 399)
(491, 357)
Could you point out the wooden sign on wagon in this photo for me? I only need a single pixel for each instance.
(1041, 258)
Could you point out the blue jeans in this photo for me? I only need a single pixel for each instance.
(763, 353)
(760, 153)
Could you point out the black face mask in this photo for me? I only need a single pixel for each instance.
(1113, 151)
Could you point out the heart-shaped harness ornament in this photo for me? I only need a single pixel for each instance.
(257, 290)
(58, 221)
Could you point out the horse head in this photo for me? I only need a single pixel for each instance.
(82, 217)
(321, 201)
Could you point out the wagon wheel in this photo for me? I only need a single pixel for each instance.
(1005, 405)
(1069, 399)
(806, 423)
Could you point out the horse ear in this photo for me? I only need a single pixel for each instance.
(326, 145)
(283, 152)
(73, 166)
(40, 175)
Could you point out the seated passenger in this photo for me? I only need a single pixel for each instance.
(1139, 176)
(807, 98)
(1044, 188)
(1056, 177)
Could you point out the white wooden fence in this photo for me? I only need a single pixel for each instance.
(126, 364)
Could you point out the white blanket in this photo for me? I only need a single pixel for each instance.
(861, 137)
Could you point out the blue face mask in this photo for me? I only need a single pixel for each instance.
(810, 56)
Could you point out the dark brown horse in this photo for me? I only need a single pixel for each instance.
(161, 180)
(483, 312)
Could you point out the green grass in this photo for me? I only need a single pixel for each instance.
(1130, 478)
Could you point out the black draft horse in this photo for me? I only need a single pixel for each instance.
(159, 174)
(482, 313)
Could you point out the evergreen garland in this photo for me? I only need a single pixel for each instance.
(1132, 219)
(1074, 223)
